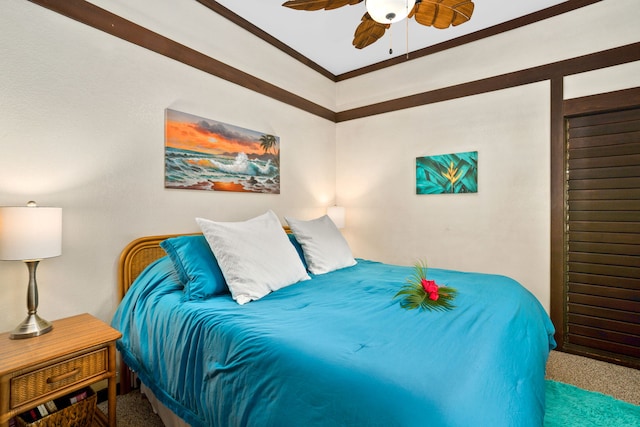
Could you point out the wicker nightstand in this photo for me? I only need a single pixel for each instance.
(79, 351)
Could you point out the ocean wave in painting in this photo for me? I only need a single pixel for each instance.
(201, 171)
(243, 166)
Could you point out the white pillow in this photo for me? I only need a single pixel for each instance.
(255, 256)
(324, 247)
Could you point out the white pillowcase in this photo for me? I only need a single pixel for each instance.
(255, 256)
(324, 247)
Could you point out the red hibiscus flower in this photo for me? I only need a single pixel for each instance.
(429, 286)
(425, 294)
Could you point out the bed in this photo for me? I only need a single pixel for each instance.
(335, 350)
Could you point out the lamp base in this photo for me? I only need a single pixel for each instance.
(32, 326)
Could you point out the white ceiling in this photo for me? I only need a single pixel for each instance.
(325, 36)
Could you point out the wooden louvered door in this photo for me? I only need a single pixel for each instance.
(602, 258)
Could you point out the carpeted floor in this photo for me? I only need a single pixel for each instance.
(593, 375)
(134, 410)
(616, 381)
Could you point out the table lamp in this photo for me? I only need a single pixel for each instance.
(30, 233)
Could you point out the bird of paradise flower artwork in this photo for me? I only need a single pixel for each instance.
(419, 292)
(447, 173)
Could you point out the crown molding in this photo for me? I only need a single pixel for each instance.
(95, 17)
(103, 20)
(522, 21)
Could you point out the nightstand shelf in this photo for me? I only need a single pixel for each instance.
(78, 352)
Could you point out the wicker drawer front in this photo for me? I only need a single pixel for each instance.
(27, 387)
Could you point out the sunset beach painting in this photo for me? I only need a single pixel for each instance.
(204, 154)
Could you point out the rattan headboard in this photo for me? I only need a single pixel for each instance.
(138, 254)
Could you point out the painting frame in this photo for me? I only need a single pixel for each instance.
(206, 154)
(455, 173)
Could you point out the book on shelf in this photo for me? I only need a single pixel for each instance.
(55, 405)
(34, 414)
(72, 398)
(51, 406)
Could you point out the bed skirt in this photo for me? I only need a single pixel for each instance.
(169, 419)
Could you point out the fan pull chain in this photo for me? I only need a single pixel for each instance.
(390, 40)
(407, 36)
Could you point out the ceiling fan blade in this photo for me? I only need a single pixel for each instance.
(318, 4)
(443, 13)
(368, 32)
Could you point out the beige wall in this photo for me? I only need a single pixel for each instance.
(565, 36)
(504, 228)
(82, 128)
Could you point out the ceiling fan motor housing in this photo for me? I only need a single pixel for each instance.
(389, 11)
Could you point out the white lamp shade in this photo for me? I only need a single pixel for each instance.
(30, 233)
(337, 214)
(389, 11)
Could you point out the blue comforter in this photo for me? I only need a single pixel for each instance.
(338, 350)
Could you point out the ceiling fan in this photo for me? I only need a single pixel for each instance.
(382, 13)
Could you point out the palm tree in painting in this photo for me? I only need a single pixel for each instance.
(269, 144)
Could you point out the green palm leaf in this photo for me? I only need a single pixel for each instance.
(414, 296)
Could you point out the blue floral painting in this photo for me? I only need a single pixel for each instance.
(447, 173)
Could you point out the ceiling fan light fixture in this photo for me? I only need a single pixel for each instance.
(389, 11)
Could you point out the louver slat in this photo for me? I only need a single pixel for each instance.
(603, 235)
